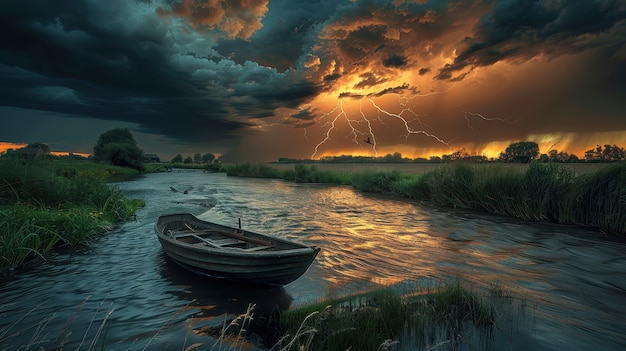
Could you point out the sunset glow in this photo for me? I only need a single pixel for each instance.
(10, 146)
(260, 80)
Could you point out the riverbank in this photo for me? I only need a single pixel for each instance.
(569, 277)
(587, 196)
(381, 319)
(49, 203)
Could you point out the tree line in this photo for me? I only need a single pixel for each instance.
(115, 147)
(118, 147)
(518, 152)
(207, 158)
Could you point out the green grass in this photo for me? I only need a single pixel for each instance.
(43, 205)
(377, 319)
(300, 173)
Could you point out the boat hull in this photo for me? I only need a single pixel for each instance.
(278, 267)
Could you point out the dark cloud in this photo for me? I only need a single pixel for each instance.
(369, 79)
(404, 88)
(123, 62)
(199, 71)
(521, 30)
(287, 28)
(394, 61)
(233, 18)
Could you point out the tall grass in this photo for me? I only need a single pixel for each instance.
(40, 209)
(379, 319)
(544, 192)
(300, 173)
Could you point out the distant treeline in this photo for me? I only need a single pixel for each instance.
(521, 152)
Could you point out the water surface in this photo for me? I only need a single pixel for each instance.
(571, 278)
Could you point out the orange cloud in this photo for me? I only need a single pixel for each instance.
(238, 19)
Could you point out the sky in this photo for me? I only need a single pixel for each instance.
(257, 80)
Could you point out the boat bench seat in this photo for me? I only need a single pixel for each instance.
(258, 248)
(227, 242)
(210, 242)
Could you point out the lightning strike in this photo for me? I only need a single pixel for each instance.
(332, 126)
(474, 114)
(371, 141)
(407, 127)
(369, 132)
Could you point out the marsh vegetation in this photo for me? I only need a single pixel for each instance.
(381, 319)
(55, 202)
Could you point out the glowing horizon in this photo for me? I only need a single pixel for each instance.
(256, 81)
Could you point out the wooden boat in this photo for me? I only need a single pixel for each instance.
(223, 252)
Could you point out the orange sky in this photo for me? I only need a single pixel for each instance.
(259, 80)
(4, 146)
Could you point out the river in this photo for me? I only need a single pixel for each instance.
(122, 288)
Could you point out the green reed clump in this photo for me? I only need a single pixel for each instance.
(600, 198)
(543, 192)
(376, 182)
(41, 209)
(22, 238)
(454, 305)
(304, 174)
(250, 170)
(448, 186)
(348, 325)
(300, 173)
(374, 319)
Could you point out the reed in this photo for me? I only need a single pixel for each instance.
(250, 170)
(378, 320)
(376, 182)
(600, 198)
(41, 209)
(300, 173)
(41, 338)
(22, 238)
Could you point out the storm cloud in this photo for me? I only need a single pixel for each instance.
(216, 72)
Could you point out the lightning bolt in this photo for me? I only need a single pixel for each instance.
(408, 128)
(332, 125)
(466, 115)
(339, 112)
(369, 127)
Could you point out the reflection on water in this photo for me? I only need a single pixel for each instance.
(572, 278)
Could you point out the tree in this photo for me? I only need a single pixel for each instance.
(177, 159)
(612, 153)
(523, 151)
(188, 159)
(208, 158)
(118, 147)
(197, 158)
(45, 149)
(607, 154)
